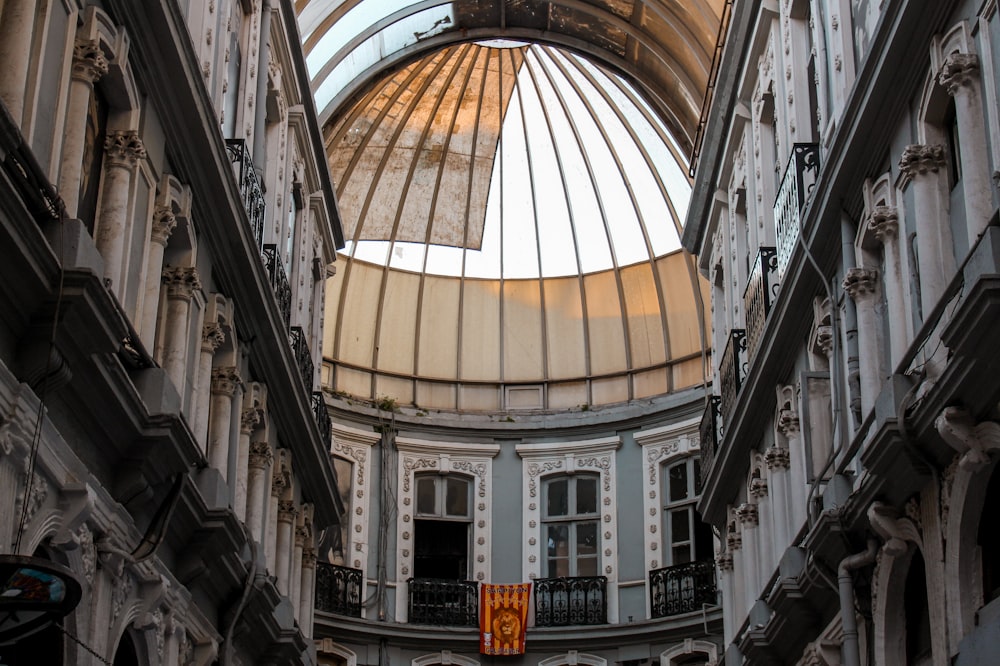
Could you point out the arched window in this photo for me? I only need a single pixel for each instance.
(570, 522)
(441, 527)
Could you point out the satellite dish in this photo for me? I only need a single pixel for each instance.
(34, 593)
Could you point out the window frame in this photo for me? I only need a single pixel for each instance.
(573, 519)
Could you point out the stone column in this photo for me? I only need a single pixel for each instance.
(788, 424)
(295, 579)
(259, 463)
(724, 563)
(89, 65)
(861, 284)
(777, 461)
(758, 490)
(249, 420)
(283, 548)
(181, 284)
(164, 222)
(16, 30)
(747, 515)
(122, 152)
(307, 595)
(225, 381)
(885, 225)
(278, 485)
(734, 545)
(212, 338)
(960, 76)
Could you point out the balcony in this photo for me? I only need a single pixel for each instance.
(246, 177)
(564, 602)
(444, 603)
(710, 434)
(279, 283)
(303, 356)
(683, 588)
(322, 417)
(732, 370)
(762, 287)
(338, 589)
(796, 186)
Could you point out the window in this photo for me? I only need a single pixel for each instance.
(570, 529)
(441, 527)
(686, 537)
(954, 146)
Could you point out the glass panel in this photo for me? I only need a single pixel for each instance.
(457, 498)
(558, 540)
(680, 526)
(558, 567)
(677, 479)
(586, 566)
(557, 501)
(586, 539)
(586, 495)
(425, 496)
(682, 554)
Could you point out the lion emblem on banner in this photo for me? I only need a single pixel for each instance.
(507, 625)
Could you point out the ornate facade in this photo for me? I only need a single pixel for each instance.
(166, 224)
(845, 212)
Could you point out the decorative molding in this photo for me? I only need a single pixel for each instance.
(920, 159)
(777, 457)
(972, 440)
(123, 148)
(958, 70)
(181, 282)
(896, 531)
(89, 61)
(860, 282)
(225, 380)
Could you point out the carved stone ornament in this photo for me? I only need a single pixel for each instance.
(309, 558)
(287, 511)
(181, 282)
(301, 536)
(212, 337)
(758, 488)
(919, 159)
(747, 513)
(120, 593)
(734, 540)
(88, 553)
(36, 497)
(278, 484)
(824, 338)
(123, 148)
(250, 419)
(897, 532)
(884, 223)
(860, 282)
(164, 222)
(225, 380)
(972, 440)
(89, 63)
(777, 457)
(958, 69)
(725, 561)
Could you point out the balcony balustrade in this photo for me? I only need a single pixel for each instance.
(683, 588)
(762, 287)
(338, 589)
(564, 602)
(710, 435)
(322, 417)
(444, 603)
(732, 370)
(303, 356)
(796, 186)
(246, 177)
(279, 283)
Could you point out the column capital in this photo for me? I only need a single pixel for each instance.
(212, 337)
(919, 159)
(225, 380)
(860, 282)
(89, 63)
(309, 558)
(758, 488)
(725, 561)
(123, 148)
(824, 339)
(287, 511)
(260, 455)
(278, 485)
(301, 536)
(181, 282)
(747, 514)
(777, 457)
(884, 223)
(250, 419)
(958, 70)
(164, 222)
(734, 541)
(788, 423)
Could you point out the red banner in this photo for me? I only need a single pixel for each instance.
(503, 618)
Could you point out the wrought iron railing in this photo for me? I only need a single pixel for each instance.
(682, 588)
(444, 603)
(732, 370)
(563, 602)
(322, 416)
(303, 355)
(796, 186)
(246, 177)
(762, 286)
(338, 589)
(710, 434)
(279, 283)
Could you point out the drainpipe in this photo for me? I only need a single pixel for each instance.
(260, 104)
(850, 652)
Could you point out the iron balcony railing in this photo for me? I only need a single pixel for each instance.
(444, 603)
(322, 417)
(762, 286)
(796, 186)
(732, 370)
(279, 283)
(303, 357)
(338, 589)
(246, 177)
(710, 434)
(682, 588)
(563, 602)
